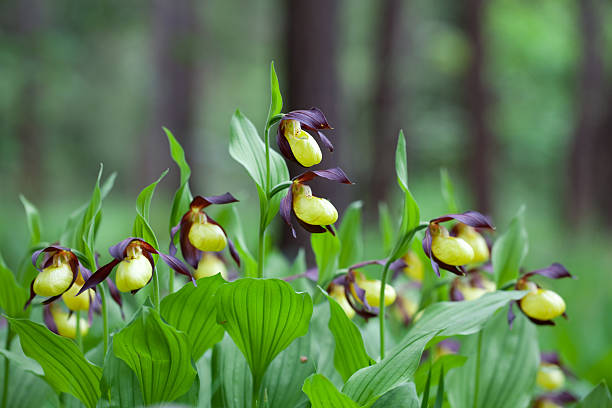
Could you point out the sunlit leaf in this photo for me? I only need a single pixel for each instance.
(263, 316)
(158, 354)
(65, 367)
(509, 250)
(349, 351)
(193, 311)
(350, 236)
(326, 248)
(508, 365)
(323, 394)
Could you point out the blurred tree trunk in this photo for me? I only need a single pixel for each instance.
(478, 102)
(584, 155)
(311, 34)
(175, 37)
(386, 123)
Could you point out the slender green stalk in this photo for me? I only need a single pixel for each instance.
(171, 281)
(381, 316)
(477, 378)
(79, 338)
(261, 249)
(7, 366)
(156, 291)
(263, 207)
(105, 336)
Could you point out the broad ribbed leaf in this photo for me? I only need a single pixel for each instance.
(231, 370)
(33, 219)
(66, 370)
(439, 319)
(263, 316)
(193, 311)
(509, 250)
(248, 261)
(323, 394)
(12, 295)
(508, 365)
(350, 236)
(158, 354)
(326, 248)
(282, 384)
(247, 148)
(119, 385)
(404, 396)
(25, 389)
(349, 352)
(598, 397)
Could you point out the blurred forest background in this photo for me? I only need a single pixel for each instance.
(514, 97)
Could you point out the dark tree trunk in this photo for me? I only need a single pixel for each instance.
(583, 184)
(386, 123)
(311, 33)
(478, 103)
(175, 39)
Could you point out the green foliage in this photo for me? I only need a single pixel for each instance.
(142, 228)
(326, 248)
(193, 311)
(182, 197)
(33, 219)
(351, 236)
(404, 396)
(276, 100)
(233, 376)
(448, 191)
(158, 354)
(65, 368)
(12, 295)
(349, 352)
(510, 250)
(263, 317)
(598, 397)
(323, 394)
(119, 384)
(86, 228)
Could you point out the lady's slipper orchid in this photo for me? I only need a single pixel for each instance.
(551, 372)
(451, 252)
(77, 302)
(414, 266)
(471, 287)
(63, 323)
(210, 264)
(475, 240)
(135, 266)
(446, 347)
(314, 214)
(540, 305)
(337, 293)
(405, 309)
(58, 271)
(298, 145)
(200, 233)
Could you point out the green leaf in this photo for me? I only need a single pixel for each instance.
(276, 100)
(404, 396)
(230, 369)
(448, 361)
(425, 401)
(349, 352)
(386, 227)
(25, 363)
(193, 311)
(178, 155)
(448, 191)
(33, 218)
(282, 384)
(263, 317)
(508, 365)
(350, 236)
(401, 166)
(119, 385)
(26, 387)
(598, 397)
(439, 319)
(182, 197)
(323, 394)
(65, 367)
(247, 148)
(12, 295)
(158, 354)
(440, 394)
(86, 229)
(249, 263)
(509, 250)
(142, 228)
(326, 248)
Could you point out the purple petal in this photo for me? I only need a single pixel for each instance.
(173, 231)
(511, 315)
(313, 229)
(312, 119)
(48, 319)
(191, 254)
(450, 344)
(554, 271)
(326, 141)
(32, 295)
(177, 265)
(285, 210)
(455, 294)
(471, 218)
(333, 174)
(551, 357)
(99, 276)
(52, 299)
(436, 264)
(233, 251)
(284, 146)
(203, 202)
(118, 251)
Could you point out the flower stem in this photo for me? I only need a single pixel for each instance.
(79, 338)
(263, 207)
(171, 281)
(381, 315)
(7, 366)
(104, 316)
(156, 290)
(477, 377)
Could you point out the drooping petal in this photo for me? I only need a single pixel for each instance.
(333, 174)
(48, 319)
(233, 251)
(313, 229)
(471, 218)
(173, 231)
(99, 276)
(114, 292)
(554, 271)
(119, 250)
(176, 265)
(203, 202)
(190, 253)
(285, 209)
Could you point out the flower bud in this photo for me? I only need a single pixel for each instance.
(550, 377)
(134, 271)
(66, 324)
(542, 304)
(450, 250)
(54, 279)
(476, 241)
(312, 210)
(78, 302)
(207, 236)
(372, 292)
(210, 265)
(303, 146)
(414, 266)
(337, 293)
